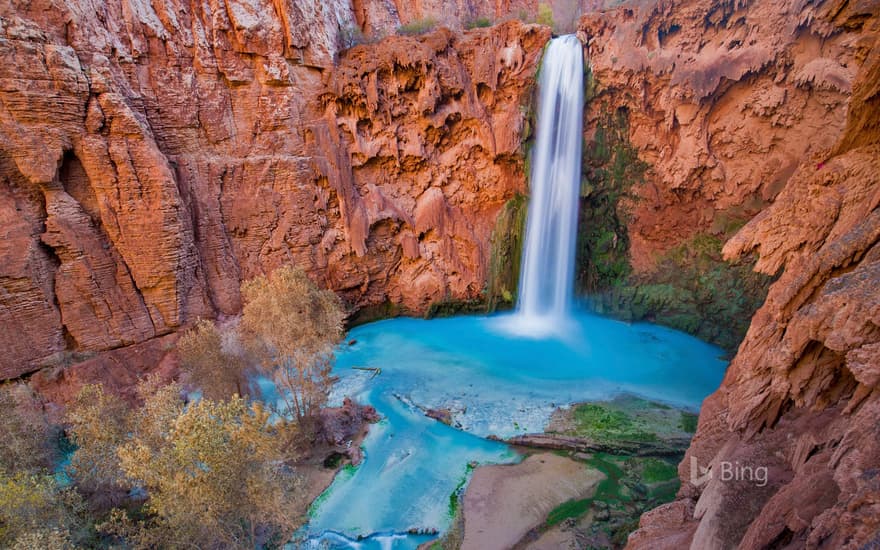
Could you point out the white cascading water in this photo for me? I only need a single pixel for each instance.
(547, 272)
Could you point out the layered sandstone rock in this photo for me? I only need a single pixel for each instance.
(155, 154)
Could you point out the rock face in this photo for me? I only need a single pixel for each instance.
(155, 154)
(769, 110)
(724, 100)
(719, 103)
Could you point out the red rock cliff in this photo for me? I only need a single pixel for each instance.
(155, 154)
(724, 100)
(766, 110)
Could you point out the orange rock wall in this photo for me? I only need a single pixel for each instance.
(766, 111)
(725, 100)
(155, 154)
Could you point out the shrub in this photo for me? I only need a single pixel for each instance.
(353, 35)
(417, 27)
(214, 473)
(210, 472)
(214, 361)
(478, 23)
(291, 327)
(28, 437)
(98, 424)
(34, 509)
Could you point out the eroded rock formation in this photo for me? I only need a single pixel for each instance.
(154, 155)
(724, 101)
(756, 104)
(719, 103)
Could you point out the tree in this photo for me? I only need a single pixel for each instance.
(213, 360)
(36, 507)
(36, 510)
(99, 423)
(214, 473)
(291, 327)
(44, 539)
(28, 437)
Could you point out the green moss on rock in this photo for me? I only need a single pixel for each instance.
(631, 486)
(602, 423)
(625, 418)
(693, 289)
(450, 308)
(655, 470)
(688, 422)
(506, 245)
(569, 509)
(610, 168)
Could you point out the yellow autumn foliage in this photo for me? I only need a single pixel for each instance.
(211, 359)
(214, 474)
(291, 327)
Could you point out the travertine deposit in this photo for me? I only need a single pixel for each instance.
(768, 103)
(154, 155)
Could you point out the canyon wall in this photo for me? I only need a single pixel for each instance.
(155, 154)
(724, 101)
(717, 104)
(763, 114)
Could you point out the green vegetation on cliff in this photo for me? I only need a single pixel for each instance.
(507, 246)
(691, 288)
(418, 27)
(610, 169)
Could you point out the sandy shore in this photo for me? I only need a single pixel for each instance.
(503, 503)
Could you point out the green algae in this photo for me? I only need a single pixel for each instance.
(693, 289)
(602, 423)
(688, 422)
(506, 253)
(631, 486)
(625, 418)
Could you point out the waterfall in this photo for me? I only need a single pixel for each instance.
(547, 272)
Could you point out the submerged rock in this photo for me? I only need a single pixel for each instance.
(440, 415)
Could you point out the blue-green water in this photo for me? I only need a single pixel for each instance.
(495, 383)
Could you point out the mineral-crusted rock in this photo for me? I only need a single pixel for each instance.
(155, 154)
